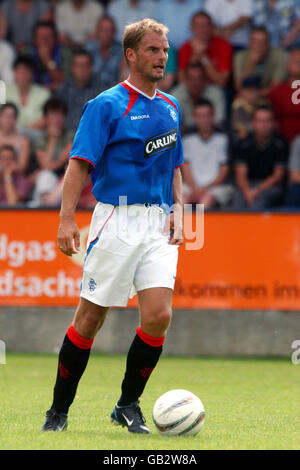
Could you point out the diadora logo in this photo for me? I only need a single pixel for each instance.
(142, 116)
(160, 143)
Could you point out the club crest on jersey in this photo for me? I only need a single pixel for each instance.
(160, 143)
(172, 113)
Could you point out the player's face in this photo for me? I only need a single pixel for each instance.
(151, 56)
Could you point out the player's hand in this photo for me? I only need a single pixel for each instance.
(173, 228)
(68, 238)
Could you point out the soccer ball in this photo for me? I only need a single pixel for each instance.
(178, 413)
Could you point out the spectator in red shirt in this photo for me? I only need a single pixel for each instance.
(287, 109)
(214, 53)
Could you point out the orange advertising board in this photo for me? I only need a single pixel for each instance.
(248, 261)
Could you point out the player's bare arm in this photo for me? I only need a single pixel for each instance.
(68, 234)
(176, 218)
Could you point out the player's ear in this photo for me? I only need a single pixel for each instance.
(130, 55)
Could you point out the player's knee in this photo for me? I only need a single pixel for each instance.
(160, 318)
(88, 325)
(165, 317)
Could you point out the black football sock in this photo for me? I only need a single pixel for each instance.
(72, 360)
(142, 358)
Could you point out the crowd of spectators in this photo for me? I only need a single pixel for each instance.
(234, 66)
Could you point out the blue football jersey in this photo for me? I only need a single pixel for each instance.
(132, 143)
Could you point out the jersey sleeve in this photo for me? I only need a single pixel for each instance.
(92, 133)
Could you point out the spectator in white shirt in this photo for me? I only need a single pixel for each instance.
(130, 11)
(76, 21)
(206, 166)
(7, 57)
(231, 19)
(177, 16)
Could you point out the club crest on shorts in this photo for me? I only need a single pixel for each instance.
(92, 285)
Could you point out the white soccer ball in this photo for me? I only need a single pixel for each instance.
(178, 413)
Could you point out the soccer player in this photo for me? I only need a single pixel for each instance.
(129, 137)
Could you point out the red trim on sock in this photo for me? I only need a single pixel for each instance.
(79, 341)
(151, 340)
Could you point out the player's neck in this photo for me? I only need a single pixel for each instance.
(147, 87)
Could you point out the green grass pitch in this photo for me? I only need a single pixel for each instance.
(250, 404)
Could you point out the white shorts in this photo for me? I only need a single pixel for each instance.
(126, 253)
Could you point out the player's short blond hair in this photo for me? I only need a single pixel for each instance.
(135, 32)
